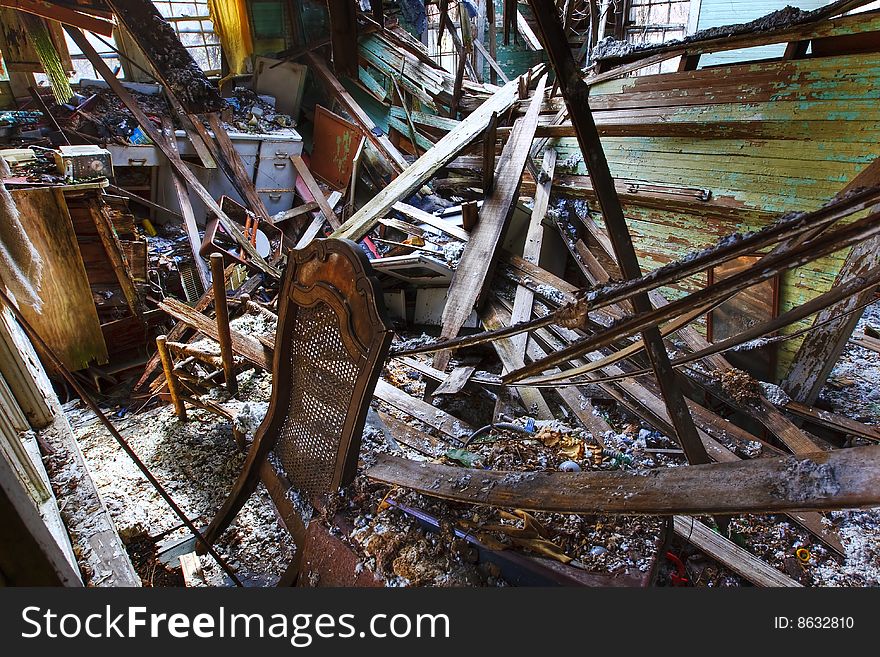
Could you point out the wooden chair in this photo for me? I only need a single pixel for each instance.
(330, 344)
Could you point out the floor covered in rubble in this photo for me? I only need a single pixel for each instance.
(198, 460)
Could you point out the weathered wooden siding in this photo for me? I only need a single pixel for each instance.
(774, 136)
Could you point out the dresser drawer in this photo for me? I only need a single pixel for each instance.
(276, 200)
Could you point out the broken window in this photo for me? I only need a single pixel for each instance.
(442, 51)
(82, 68)
(656, 21)
(192, 22)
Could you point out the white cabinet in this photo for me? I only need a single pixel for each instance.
(266, 159)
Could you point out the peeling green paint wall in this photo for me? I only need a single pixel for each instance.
(803, 129)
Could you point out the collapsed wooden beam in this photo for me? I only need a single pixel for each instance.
(63, 15)
(427, 165)
(822, 348)
(478, 258)
(841, 479)
(764, 269)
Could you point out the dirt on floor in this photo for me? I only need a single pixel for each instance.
(198, 462)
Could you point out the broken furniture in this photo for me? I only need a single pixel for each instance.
(331, 342)
(95, 278)
(263, 235)
(265, 158)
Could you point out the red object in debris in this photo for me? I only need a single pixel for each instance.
(372, 247)
(679, 577)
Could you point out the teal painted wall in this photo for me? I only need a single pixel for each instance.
(714, 13)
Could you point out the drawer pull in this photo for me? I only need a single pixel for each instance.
(137, 161)
(281, 165)
(275, 196)
(281, 155)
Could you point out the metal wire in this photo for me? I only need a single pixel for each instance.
(49, 355)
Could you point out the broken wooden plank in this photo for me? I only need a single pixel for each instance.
(841, 479)
(415, 214)
(456, 380)
(315, 190)
(522, 304)
(435, 418)
(832, 420)
(866, 342)
(109, 239)
(423, 168)
(496, 69)
(478, 258)
(728, 553)
(576, 399)
(245, 345)
(191, 567)
(511, 357)
(63, 15)
(314, 228)
(186, 210)
(490, 139)
(647, 404)
(821, 348)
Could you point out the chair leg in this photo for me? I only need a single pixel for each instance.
(291, 574)
(241, 491)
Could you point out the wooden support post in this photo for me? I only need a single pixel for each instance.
(493, 38)
(221, 310)
(457, 87)
(378, 13)
(470, 215)
(343, 36)
(490, 138)
(171, 377)
(576, 94)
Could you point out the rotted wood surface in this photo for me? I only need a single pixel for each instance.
(68, 321)
(841, 479)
